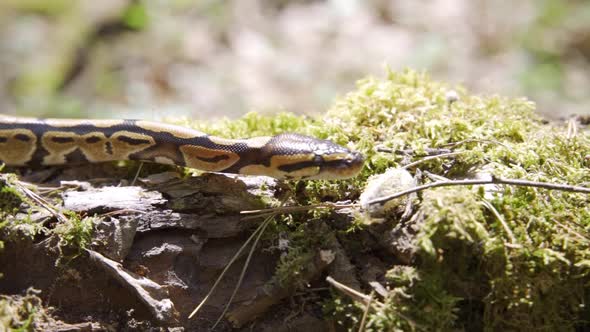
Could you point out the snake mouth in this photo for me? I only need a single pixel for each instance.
(343, 168)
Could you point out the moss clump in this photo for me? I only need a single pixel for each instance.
(493, 258)
(75, 233)
(10, 201)
(10, 197)
(16, 209)
(22, 313)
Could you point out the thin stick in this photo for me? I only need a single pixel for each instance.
(471, 140)
(443, 183)
(429, 151)
(287, 209)
(243, 273)
(493, 180)
(442, 155)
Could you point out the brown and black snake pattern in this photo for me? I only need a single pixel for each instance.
(30, 142)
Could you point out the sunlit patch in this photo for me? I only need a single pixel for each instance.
(180, 132)
(164, 160)
(255, 142)
(305, 172)
(336, 156)
(221, 140)
(262, 170)
(207, 159)
(75, 122)
(17, 146)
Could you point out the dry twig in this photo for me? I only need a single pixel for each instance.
(442, 155)
(492, 180)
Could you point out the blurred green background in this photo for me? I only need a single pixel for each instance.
(207, 59)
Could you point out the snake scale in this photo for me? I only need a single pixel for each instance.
(34, 142)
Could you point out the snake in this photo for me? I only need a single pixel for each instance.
(30, 142)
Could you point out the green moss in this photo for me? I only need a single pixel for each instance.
(22, 313)
(526, 268)
(15, 212)
(296, 243)
(291, 267)
(10, 198)
(75, 233)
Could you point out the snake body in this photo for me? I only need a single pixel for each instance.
(31, 142)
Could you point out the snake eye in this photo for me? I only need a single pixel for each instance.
(318, 160)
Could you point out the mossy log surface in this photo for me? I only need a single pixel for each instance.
(88, 248)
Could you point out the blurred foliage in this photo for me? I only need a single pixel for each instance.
(135, 16)
(559, 34)
(212, 58)
(23, 313)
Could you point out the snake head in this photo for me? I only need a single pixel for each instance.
(337, 163)
(294, 156)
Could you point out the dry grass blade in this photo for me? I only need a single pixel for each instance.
(41, 201)
(137, 173)
(369, 302)
(255, 214)
(122, 211)
(229, 264)
(366, 312)
(353, 293)
(243, 273)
